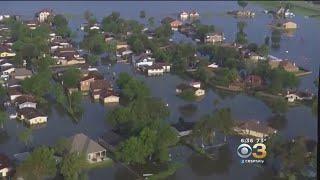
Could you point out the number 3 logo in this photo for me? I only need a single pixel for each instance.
(261, 151)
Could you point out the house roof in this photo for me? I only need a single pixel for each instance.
(25, 98)
(176, 22)
(4, 161)
(183, 126)
(29, 112)
(4, 48)
(100, 84)
(92, 74)
(214, 34)
(22, 72)
(256, 126)
(83, 144)
(167, 20)
(14, 90)
(107, 93)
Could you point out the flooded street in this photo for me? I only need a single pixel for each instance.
(299, 120)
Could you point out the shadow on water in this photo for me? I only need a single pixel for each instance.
(203, 166)
(4, 136)
(278, 122)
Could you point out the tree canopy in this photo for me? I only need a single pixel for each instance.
(38, 165)
(71, 77)
(71, 166)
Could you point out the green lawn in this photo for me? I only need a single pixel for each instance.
(300, 7)
(102, 164)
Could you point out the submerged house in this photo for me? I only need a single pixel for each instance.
(26, 101)
(254, 129)
(298, 95)
(22, 73)
(31, 116)
(184, 87)
(109, 96)
(97, 86)
(5, 166)
(183, 128)
(14, 92)
(82, 144)
(87, 80)
(212, 38)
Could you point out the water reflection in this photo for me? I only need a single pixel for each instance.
(278, 122)
(4, 136)
(203, 166)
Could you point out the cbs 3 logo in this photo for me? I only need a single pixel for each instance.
(258, 151)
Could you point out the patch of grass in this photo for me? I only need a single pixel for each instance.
(187, 95)
(172, 168)
(102, 164)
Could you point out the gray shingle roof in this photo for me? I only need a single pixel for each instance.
(83, 144)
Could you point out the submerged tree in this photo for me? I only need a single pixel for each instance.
(3, 118)
(25, 137)
(242, 3)
(275, 39)
(241, 36)
(142, 14)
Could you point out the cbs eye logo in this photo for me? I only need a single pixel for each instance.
(258, 151)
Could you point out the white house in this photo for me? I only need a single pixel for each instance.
(43, 15)
(154, 70)
(195, 84)
(109, 96)
(81, 143)
(199, 92)
(184, 15)
(26, 101)
(213, 65)
(31, 116)
(142, 60)
(292, 96)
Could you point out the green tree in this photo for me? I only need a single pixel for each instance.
(94, 42)
(138, 46)
(38, 165)
(111, 48)
(92, 59)
(38, 84)
(263, 50)
(208, 124)
(72, 165)
(275, 38)
(137, 149)
(25, 136)
(188, 95)
(3, 118)
(71, 77)
(151, 22)
(62, 146)
(202, 30)
(60, 24)
(267, 40)
(242, 3)
(3, 91)
(142, 14)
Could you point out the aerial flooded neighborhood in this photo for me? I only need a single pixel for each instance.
(159, 90)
